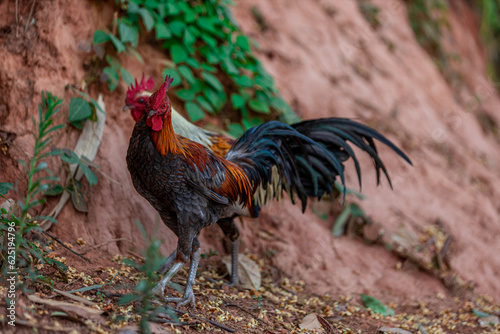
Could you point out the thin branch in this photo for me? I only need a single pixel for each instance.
(247, 312)
(216, 324)
(29, 17)
(68, 295)
(17, 18)
(105, 243)
(72, 251)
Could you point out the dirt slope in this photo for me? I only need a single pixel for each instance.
(327, 61)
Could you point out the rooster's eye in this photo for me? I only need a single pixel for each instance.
(141, 100)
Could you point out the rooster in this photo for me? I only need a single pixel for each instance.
(191, 187)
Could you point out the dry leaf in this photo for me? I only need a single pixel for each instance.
(492, 320)
(248, 272)
(310, 322)
(69, 308)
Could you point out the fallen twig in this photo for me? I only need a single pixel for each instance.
(62, 243)
(68, 295)
(105, 243)
(247, 312)
(230, 330)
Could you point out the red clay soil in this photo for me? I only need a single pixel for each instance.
(327, 61)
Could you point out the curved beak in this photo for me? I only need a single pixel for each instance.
(152, 113)
(128, 107)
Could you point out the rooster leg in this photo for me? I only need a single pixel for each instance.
(159, 289)
(188, 297)
(231, 231)
(168, 263)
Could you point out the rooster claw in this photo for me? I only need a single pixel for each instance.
(188, 298)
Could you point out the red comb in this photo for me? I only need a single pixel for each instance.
(160, 97)
(139, 87)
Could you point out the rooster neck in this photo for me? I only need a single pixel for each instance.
(166, 140)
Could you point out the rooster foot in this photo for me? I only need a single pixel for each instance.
(159, 289)
(188, 298)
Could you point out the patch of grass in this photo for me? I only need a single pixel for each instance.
(213, 64)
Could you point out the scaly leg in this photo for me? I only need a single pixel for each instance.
(160, 287)
(168, 263)
(231, 231)
(188, 297)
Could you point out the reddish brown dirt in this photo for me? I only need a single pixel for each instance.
(326, 61)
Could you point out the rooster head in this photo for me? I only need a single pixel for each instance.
(158, 106)
(137, 96)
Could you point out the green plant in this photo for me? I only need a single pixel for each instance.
(490, 33)
(81, 108)
(143, 294)
(428, 19)
(15, 227)
(212, 61)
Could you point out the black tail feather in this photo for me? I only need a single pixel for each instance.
(307, 156)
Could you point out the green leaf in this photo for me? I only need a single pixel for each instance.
(193, 63)
(189, 38)
(5, 187)
(229, 66)
(376, 306)
(178, 53)
(211, 42)
(177, 27)
(79, 109)
(194, 111)
(119, 46)
(243, 81)
(242, 42)
(238, 101)
(480, 314)
(70, 157)
(186, 73)
(126, 76)
(250, 123)
(89, 175)
(212, 97)
(174, 75)
(212, 81)
(162, 31)
(111, 77)
(58, 314)
(208, 68)
(203, 102)
(147, 18)
(54, 190)
(128, 33)
(101, 36)
(185, 94)
(259, 106)
(341, 222)
(235, 129)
